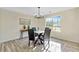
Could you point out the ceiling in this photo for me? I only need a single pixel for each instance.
(33, 10)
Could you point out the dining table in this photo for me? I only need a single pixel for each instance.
(39, 32)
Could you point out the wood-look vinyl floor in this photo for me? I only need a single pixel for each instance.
(21, 45)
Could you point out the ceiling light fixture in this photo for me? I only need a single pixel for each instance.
(38, 15)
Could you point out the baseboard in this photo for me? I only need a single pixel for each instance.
(64, 40)
(13, 39)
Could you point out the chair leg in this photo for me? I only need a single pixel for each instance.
(29, 43)
(41, 41)
(35, 42)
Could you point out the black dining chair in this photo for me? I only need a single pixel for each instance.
(34, 28)
(31, 36)
(45, 38)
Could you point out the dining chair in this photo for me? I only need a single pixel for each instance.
(31, 36)
(45, 38)
(34, 28)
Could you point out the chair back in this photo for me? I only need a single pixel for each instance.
(31, 34)
(47, 38)
(47, 33)
(34, 28)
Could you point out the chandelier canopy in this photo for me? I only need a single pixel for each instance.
(38, 15)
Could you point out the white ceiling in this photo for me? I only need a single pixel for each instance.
(33, 10)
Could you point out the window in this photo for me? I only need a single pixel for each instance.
(54, 23)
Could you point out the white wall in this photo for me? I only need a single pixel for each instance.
(69, 25)
(9, 25)
(0, 26)
(38, 23)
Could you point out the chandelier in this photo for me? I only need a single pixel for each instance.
(38, 15)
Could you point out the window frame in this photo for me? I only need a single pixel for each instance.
(54, 23)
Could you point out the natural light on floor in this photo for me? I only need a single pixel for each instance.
(54, 47)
